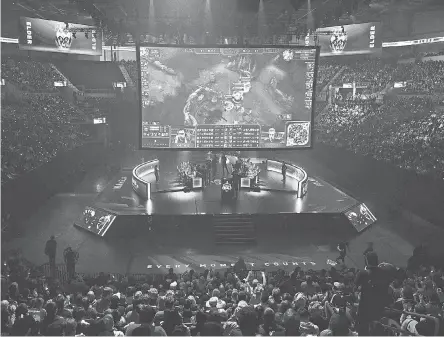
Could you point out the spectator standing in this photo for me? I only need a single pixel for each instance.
(374, 284)
(50, 251)
(71, 257)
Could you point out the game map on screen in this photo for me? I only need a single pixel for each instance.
(227, 97)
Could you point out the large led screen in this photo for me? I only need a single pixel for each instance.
(363, 38)
(227, 97)
(61, 37)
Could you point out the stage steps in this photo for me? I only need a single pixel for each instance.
(233, 229)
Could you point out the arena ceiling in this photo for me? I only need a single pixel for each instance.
(133, 15)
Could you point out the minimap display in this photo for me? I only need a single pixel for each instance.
(226, 97)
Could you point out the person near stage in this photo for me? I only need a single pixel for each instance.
(156, 173)
(284, 172)
(208, 169)
(240, 267)
(236, 183)
(224, 164)
(238, 165)
(342, 248)
(50, 251)
(214, 166)
(71, 257)
(203, 174)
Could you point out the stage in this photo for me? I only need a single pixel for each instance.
(309, 238)
(168, 197)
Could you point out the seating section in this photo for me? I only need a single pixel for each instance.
(408, 132)
(376, 73)
(91, 75)
(131, 68)
(36, 130)
(326, 71)
(421, 77)
(29, 75)
(96, 106)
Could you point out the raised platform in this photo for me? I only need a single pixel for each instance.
(149, 244)
(167, 197)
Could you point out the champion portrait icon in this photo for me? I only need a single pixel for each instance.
(63, 37)
(338, 40)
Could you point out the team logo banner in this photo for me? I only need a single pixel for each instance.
(363, 38)
(60, 37)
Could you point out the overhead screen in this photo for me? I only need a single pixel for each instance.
(363, 38)
(60, 37)
(227, 97)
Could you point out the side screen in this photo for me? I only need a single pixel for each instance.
(227, 97)
(59, 37)
(363, 38)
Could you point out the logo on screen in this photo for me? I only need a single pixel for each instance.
(63, 37)
(338, 40)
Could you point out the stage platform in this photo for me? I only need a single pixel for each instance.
(167, 197)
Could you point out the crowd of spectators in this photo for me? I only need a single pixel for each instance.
(422, 77)
(30, 75)
(408, 132)
(376, 73)
(326, 71)
(439, 53)
(380, 300)
(35, 130)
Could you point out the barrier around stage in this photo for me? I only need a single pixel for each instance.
(140, 185)
(294, 172)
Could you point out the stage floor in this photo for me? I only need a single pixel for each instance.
(275, 195)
